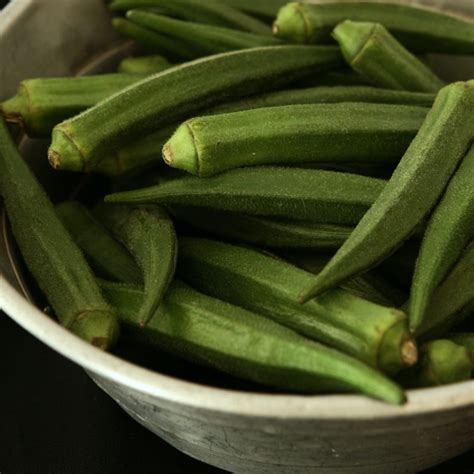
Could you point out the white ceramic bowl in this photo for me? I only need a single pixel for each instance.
(235, 430)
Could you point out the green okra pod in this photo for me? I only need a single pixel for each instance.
(247, 345)
(207, 39)
(452, 301)
(464, 339)
(264, 8)
(378, 57)
(214, 12)
(411, 193)
(144, 65)
(149, 235)
(40, 104)
(153, 42)
(327, 95)
(449, 231)
(110, 259)
(326, 133)
(442, 362)
(264, 284)
(50, 254)
(165, 98)
(268, 232)
(324, 197)
(421, 30)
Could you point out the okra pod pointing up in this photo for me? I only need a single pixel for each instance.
(233, 340)
(172, 95)
(264, 284)
(378, 57)
(214, 12)
(50, 254)
(421, 30)
(207, 39)
(412, 192)
(324, 197)
(325, 133)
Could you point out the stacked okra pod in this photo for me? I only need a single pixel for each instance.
(312, 187)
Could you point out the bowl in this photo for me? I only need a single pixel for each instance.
(231, 426)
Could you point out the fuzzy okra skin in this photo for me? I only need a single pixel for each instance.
(110, 259)
(214, 333)
(378, 57)
(40, 104)
(170, 96)
(421, 30)
(449, 231)
(442, 362)
(324, 197)
(413, 191)
(207, 39)
(149, 235)
(264, 284)
(213, 12)
(144, 65)
(52, 257)
(153, 42)
(326, 133)
(273, 233)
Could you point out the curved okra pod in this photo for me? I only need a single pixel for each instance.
(40, 104)
(324, 197)
(327, 95)
(412, 192)
(268, 232)
(153, 42)
(50, 254)
(378, 57)
(264, 284)
(144, 65)
(213, 12)
(149, 235)
(442, 362)
(326, 133)
(247, 345)
(421, 30)
(207, 39)
(449, 231)
(165, 98)
(110, 259)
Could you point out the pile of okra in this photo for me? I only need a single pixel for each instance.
(289, 195)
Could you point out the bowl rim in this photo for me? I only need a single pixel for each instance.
(230, 402)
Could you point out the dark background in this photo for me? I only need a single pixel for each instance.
(54, 420)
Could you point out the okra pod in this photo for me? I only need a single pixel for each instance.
(107, 256)
(266, 285)
(207, 39)
(233, 340)
(412, 192)
(449, 231)
(326, 133)
(421, 30)
(144, 65)
(324, 197)
(264, 231)
(264, 8)
(50, 254)
(378, 57)
(465, 340)
(214, 12)
(327, 95)
(40, 104)
(165, 98)
(153, 42)
(442, 362)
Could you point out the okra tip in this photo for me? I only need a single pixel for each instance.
(290, 24)
(63, 153)
(352, 36)
(180, 151)
(13, 109)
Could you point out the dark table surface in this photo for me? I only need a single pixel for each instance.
(54, 420)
